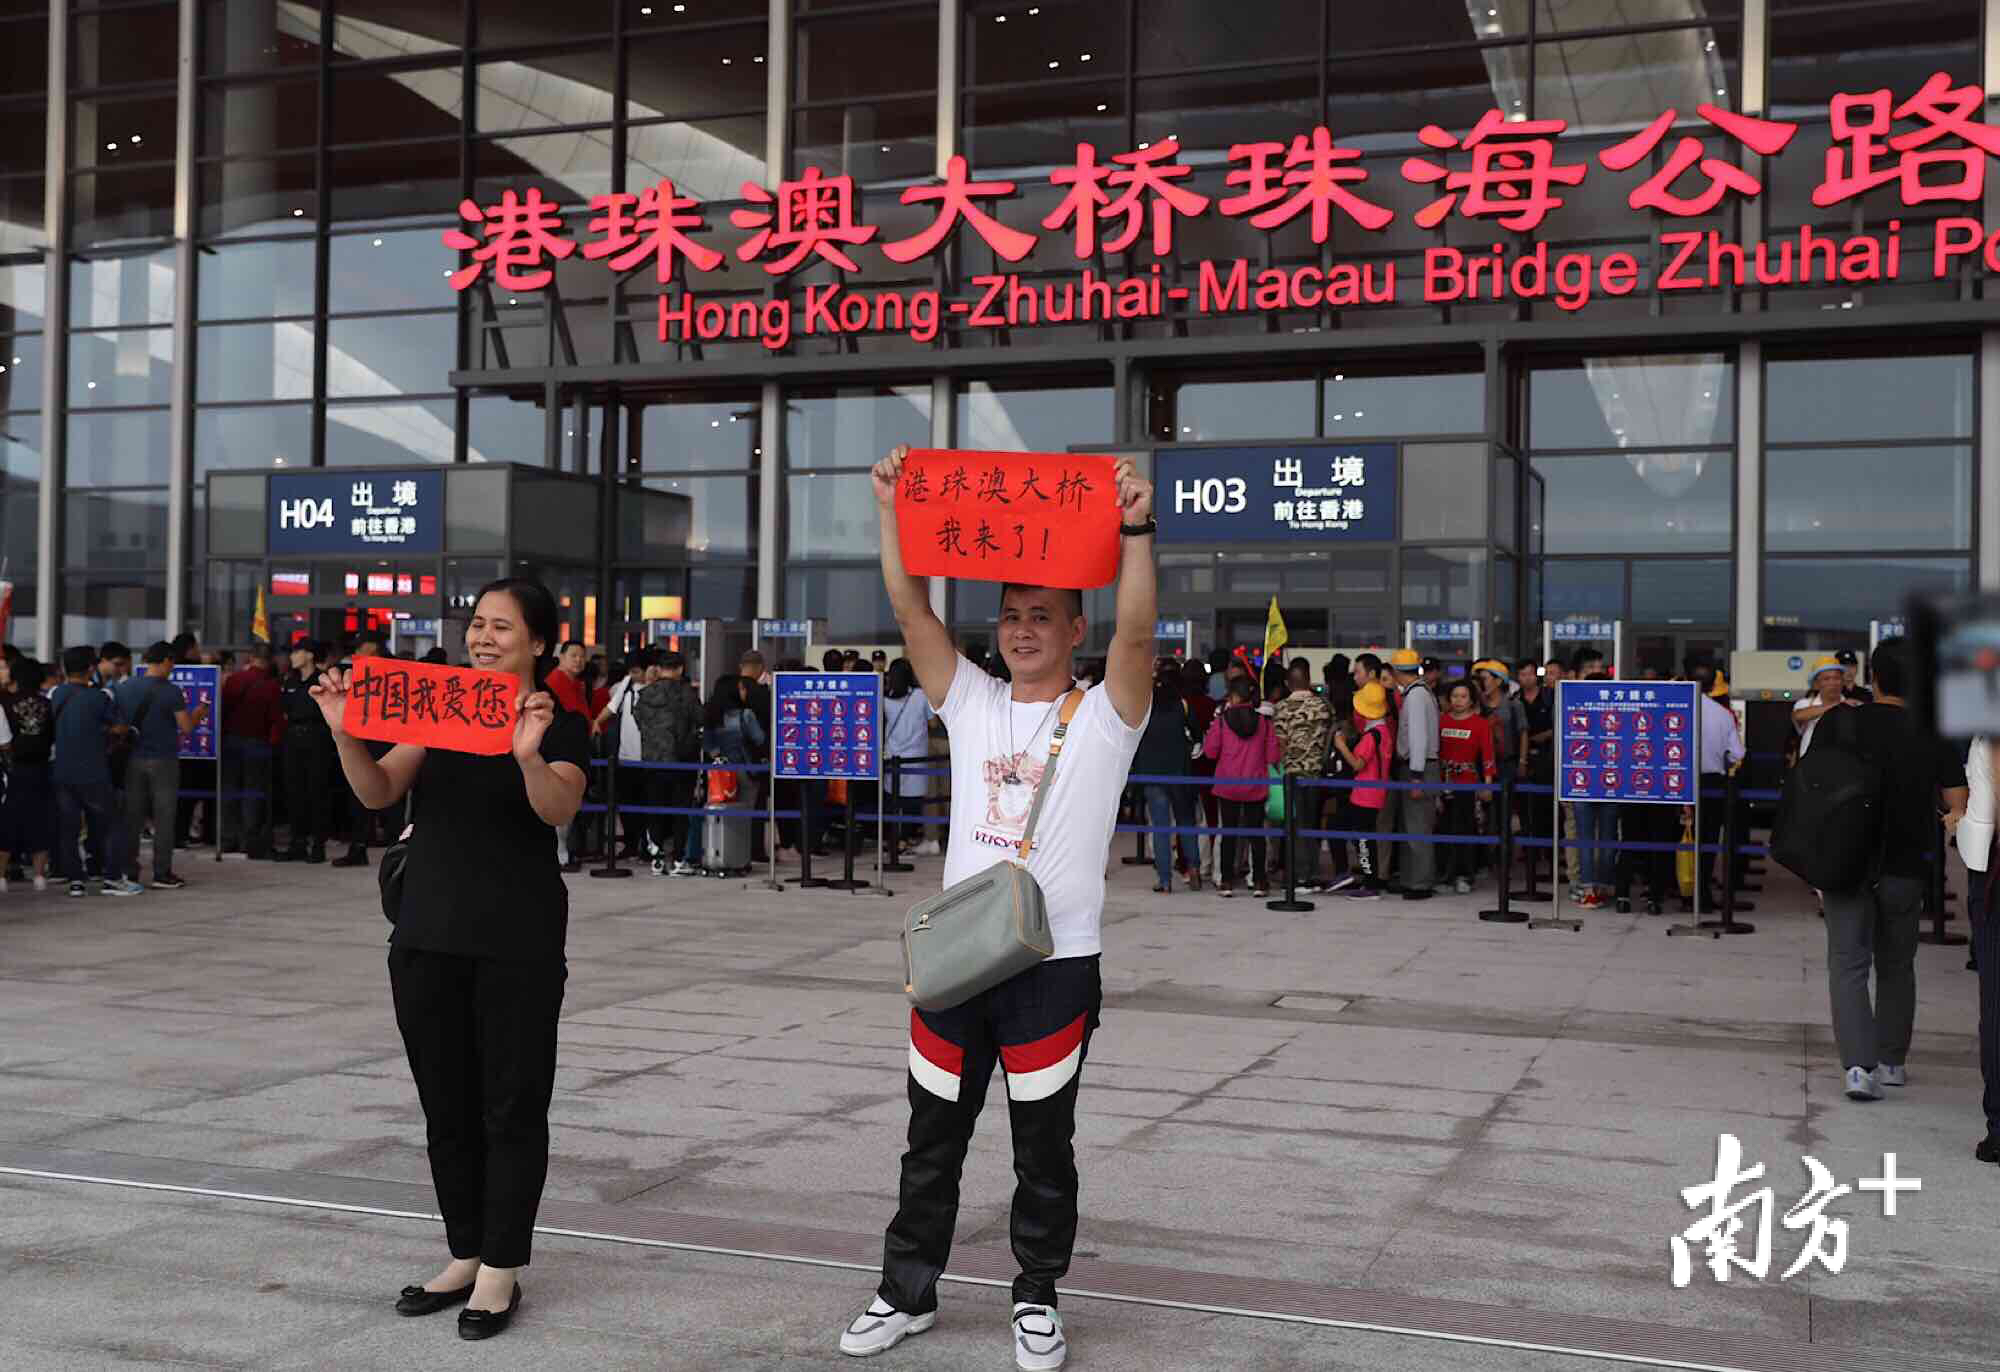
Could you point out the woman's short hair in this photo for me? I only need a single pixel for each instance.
(538, 614)
(900, 679)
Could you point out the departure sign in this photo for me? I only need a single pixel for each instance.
(1324, 491)
(1627, 741)
(828, 726)
(367, 512)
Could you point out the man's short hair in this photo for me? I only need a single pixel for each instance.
(1369, 663)
(78, 661)
(1889, 666)
(753, 658)
(573, 643)
(112, 651)
(1075, 596)
(672, 660)
(832, 660)
(161, 651)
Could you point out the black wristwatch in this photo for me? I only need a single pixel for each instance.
(1151, 526)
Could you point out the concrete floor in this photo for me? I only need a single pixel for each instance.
(1385, 1098)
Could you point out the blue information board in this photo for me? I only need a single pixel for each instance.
(1310, 492)
(1440, 630)
(356, 512)
(202, 686)
(828, 726)
(1627, 741)
(1582, 630)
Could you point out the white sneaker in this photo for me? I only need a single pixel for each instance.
(1861, 1085)
(1341, 883)
(1888, 1075)
(41, 883)
(1038, 1338)
(124, 888)
(683, 869)
(881, 1327)
(659, 867)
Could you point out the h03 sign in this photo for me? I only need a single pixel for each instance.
(1313, 492)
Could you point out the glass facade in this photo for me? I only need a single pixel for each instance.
(285, 299)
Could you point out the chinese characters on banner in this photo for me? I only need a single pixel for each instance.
(1047, 519)
(828, 726)
(1628, 741)
(1930, 146)
(1344, 491)
(460, 708)
(201, 686)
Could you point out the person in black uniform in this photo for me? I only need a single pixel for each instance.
(361, 820)
(476, 963)
(308, 758)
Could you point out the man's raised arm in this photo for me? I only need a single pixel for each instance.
(925, 638)
(1128, 667)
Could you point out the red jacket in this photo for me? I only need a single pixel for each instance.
(568, 691)
(1238, 756)
(250, 707)
(1465, 747)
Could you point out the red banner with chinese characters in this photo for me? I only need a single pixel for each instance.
(460, 708)
(1044, 519)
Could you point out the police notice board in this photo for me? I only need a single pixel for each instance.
(1632, 742)
(202, 686)
(828, 726)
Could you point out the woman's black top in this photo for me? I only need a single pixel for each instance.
(483, 880)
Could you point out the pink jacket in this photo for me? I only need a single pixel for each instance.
(1237, 756)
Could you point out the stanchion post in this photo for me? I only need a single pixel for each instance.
(1728, 924)
(1937, 933)
(771, 814)
(1137, 794)
(1501, 913)
(612, 867)
(850, 845)
(805, 880)
(1555, 919)
(895, 861)
(1291, 903)
(1528, 893)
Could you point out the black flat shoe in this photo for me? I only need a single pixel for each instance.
(484, 1324)
(417, 1301)
(1988, 1149)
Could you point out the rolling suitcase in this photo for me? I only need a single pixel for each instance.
(725, 839)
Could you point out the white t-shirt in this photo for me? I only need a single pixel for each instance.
(628, 730)
(989, 810)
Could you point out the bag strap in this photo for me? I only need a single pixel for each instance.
(1069, 708)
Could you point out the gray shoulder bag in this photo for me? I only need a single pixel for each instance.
(990, 927)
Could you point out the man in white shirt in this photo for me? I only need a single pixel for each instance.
(1721, 750)
(639, 674)
(1037, 1026)
(1827, 691)
(1413, 812)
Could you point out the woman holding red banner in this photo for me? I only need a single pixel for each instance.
(476, 963)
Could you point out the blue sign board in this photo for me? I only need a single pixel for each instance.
(1313, 492)
(828, 726)
(1172, 628)
(1431, 630)
(1627, 741)
(202, 686)
(1582, 630)
(784, 628)
(356, 512)
(678, 628)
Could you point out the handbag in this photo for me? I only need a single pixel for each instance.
(389, 876)
(722, 785)
(1274, 797)
(1684, 861)
(992, 926)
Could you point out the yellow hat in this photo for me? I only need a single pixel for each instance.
(1720, 690)
(1406, 659)
(1490, 664)
(1825, 664)
(1371, 701)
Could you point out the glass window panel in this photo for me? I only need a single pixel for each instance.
(1681, 591)
(235, 514)
(901, 48)
(851, 600)
(1026, 416)
(24, 54)
(728, 593)
(1578, 589)
(886, 140)
(1637, 502)
(1846, 499)
(1382, 102)
(373, 106)
(23, 296)
(506, 430)
(569, 168)
(1640, 401)
(382, 435)
(1443, 495)
(120, 448)
(107, 291)
(115, 530)
(1371, 25)
(24, 134)
(1626, 81)
(129, 606)
(1210, 114)
(390, 270)
(1870, 47)
(124, 367)
(252, 35)
(254, 280)
(657, 13)
(263, 195)
(708, 161)
(712, 71)
(113, 207)
(255, 436)
(1175, 35)
(1506, 577)
(1034, 129)
(21, 379)
(1825, 593)
(254, 119)
(1506, 500)
(512, 23)
(391, 355)
(1569, 16)
(1006, 41)
(541, 92)
(1850, 398)
(21, 451)
(721, 514)
(854, 426)
(254, 361)
(715, 433)
(475, 510)
(23, 211)
(1363, 404)
(409, 181)
(121, 47)
(831, 515)
(396, 28)
(1252, 405)
(1444, 582)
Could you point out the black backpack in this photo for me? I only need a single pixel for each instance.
(1829, 824)
(34, 730)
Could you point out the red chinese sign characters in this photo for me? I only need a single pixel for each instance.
(1050, 519)
(1505, 172)
(433, 706)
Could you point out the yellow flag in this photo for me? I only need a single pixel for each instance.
(1275, 637)
(260, 627)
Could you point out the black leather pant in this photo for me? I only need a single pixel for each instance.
(1038, 1027)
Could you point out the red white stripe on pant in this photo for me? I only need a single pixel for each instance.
(935, 1062)
(1036, 1071)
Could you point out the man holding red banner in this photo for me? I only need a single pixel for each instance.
(1038, 1025)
